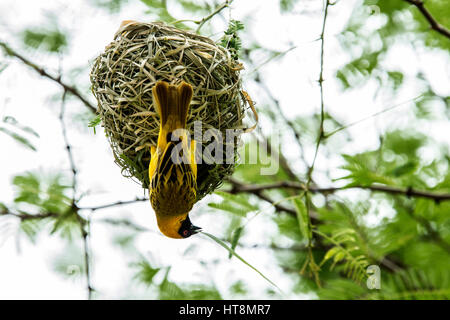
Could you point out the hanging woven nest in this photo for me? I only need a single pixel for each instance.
(122, 79)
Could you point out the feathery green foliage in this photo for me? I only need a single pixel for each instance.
(52, 40)
(231, 39)
(325, 241)
(20, 133)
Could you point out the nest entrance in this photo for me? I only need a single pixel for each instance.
(122, 79)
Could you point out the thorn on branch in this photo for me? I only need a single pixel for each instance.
(409, 192)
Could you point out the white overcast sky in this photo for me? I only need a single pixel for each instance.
(27, 273)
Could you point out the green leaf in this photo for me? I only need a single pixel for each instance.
(240, 200)
(193, 6)
(287, 5)
(288, 226)
(51, 40)
(237, 204)
(18, 138)
(225, 206)
(95, 122)
(67, 225)
(231, 40)
(125, 241)
(302, 217)
(330, 253)
(3, 208)
(238, 288)
(340, 75)
(357, 72)
(169, 290)
(11, 120)
(235, 239)
(46, 193)
(3, 66)
(404, 142)
(145, 272)
(405, 169)
(363, 170)
(342, 289)
(113, 6)
(339, 256)
(396, 77)
(159, 8)
(31, 228)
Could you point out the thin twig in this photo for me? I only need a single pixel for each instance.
(202, 21)
(273, 57)
(114, 204)
(431, 20)
(238, 187)
(67, 145)
(371, 116)
(23, 216)
(310, 261)
(210, 16)
(83, 224)
(74, 91)
(322, 104)
(86, 249)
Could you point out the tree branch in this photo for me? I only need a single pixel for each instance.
(23, 216)
(205, 19)
(210, 16)
(67, 145)
(114, 204)
(322, 104)
(74, 91)
(83, 224)
(408, 192)
(238, 187)
(431, 20)
(86, 249)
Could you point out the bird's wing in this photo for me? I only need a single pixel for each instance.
(173, 184)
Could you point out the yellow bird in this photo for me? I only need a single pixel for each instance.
(173, 170)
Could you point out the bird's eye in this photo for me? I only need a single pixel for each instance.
(185, 233)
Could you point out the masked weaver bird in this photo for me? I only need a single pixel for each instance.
(173, 177)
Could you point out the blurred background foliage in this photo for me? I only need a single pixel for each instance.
(322, 241)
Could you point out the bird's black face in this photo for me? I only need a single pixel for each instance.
(187, 229)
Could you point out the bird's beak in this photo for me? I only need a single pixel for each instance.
(195, 229)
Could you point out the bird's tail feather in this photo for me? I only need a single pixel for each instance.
(172, 104)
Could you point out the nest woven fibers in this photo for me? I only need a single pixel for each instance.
(122, 79)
